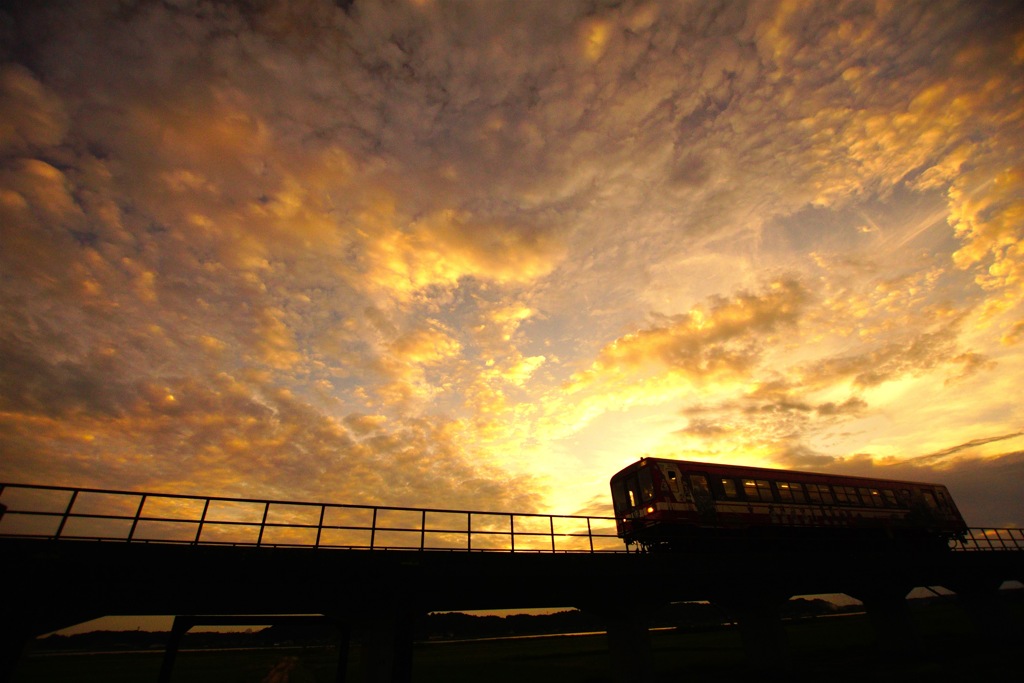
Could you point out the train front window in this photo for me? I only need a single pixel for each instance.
(632, 495)
(620, 498)
(646, 485)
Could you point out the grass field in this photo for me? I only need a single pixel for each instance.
(834, 649)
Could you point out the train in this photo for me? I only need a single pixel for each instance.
(665, 504)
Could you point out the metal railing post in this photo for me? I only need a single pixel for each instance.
(263, 523)
(551, 522)
(423, 528)
(67, 513)
(590, 536)
(512, 532)
(202, 521)
(135, 521)
(373, 528)
(469, 531)
(320, 525)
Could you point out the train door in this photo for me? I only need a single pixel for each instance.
(702, 498)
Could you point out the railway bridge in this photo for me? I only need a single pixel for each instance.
(73, 554)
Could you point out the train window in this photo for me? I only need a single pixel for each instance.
(798, 492)
(890, 498)
(846, 495)
(646, 485)
(820, 493)
(791, 492)
(785, 492)
(729, 487)
(871, 497)
(699, 484)
(929, 499)
(904, 497)
(757, 489)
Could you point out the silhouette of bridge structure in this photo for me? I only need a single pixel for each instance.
(74, 554)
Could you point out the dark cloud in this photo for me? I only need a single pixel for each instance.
(906, 355)
(974, 443)
(851, 405)
(987, 490)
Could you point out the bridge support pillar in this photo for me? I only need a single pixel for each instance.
(386, 640)
(21, 623)
(15, 635)
(759, 618)
(629, 646)
(889, 614)
(344, 640)
(628, 636)
(986, 608)
(178, 630)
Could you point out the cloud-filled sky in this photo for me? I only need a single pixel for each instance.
(481, 255)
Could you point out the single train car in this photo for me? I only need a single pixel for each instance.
(668, 504)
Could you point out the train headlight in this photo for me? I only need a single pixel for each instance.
(650, 510)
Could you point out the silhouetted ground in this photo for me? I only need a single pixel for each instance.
(835, 649)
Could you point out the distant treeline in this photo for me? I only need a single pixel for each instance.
(430, 627)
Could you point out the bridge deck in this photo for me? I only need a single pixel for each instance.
(71, 555)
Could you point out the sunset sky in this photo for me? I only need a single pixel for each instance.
(482, 255)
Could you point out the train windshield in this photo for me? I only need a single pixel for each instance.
(632, 490)
(621, 495)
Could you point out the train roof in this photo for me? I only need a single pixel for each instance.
(774, 472)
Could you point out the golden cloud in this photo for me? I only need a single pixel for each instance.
(449, 245)
(723, 338)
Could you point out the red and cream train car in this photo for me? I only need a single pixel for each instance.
(661, 503)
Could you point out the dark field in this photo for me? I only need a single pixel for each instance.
(834, 649)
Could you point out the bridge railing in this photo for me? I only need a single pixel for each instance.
(984, 540)
(57, 512)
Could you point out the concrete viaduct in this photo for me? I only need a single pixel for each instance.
(60, 575)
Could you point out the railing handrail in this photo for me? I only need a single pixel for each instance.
(974, 540)
(65, 512)
(979, 539)
(276, 501)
